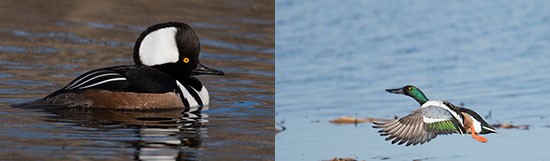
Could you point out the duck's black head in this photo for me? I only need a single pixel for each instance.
(173, 48)
(410, 91)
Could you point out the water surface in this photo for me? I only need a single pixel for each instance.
(335, 58)
(45, 45)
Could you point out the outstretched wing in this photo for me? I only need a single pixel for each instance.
(420, 126)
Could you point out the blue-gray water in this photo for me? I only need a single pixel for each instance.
(44, 45)
(335, 58)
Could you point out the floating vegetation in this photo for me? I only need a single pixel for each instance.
(341, 159)
(353, 120)
(511, 126)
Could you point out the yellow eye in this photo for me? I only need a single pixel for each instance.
(186, 60)
(409, 88)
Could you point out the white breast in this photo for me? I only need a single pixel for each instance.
(204, 96)
(193, 101)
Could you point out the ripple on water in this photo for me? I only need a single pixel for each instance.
(240, 58)
(27, 83)
(100, 25)
(13, 49)
(38, 49)
(21, 65)
(70, 37)
(236, 46)
(5, 75)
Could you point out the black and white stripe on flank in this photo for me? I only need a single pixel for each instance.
(94, 78)
(190, 97)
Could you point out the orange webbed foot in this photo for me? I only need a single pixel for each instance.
(477, 137)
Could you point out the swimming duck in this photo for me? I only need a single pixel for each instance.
(166, 58)
(434, 117)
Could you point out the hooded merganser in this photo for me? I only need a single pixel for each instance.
(431, 119)
(166, 57)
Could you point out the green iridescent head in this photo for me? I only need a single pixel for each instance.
(411, 91)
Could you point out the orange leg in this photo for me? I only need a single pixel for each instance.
(477, 137)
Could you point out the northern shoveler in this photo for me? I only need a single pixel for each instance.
(434, 117)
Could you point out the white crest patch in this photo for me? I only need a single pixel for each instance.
(159, 47)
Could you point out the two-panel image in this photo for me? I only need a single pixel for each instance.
(311, 80)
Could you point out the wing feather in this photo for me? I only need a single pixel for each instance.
(420, 126)
(97, 79)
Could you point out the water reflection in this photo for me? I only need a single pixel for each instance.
(159, 135)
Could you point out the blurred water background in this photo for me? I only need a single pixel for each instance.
(335, 58)
(46, 44)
